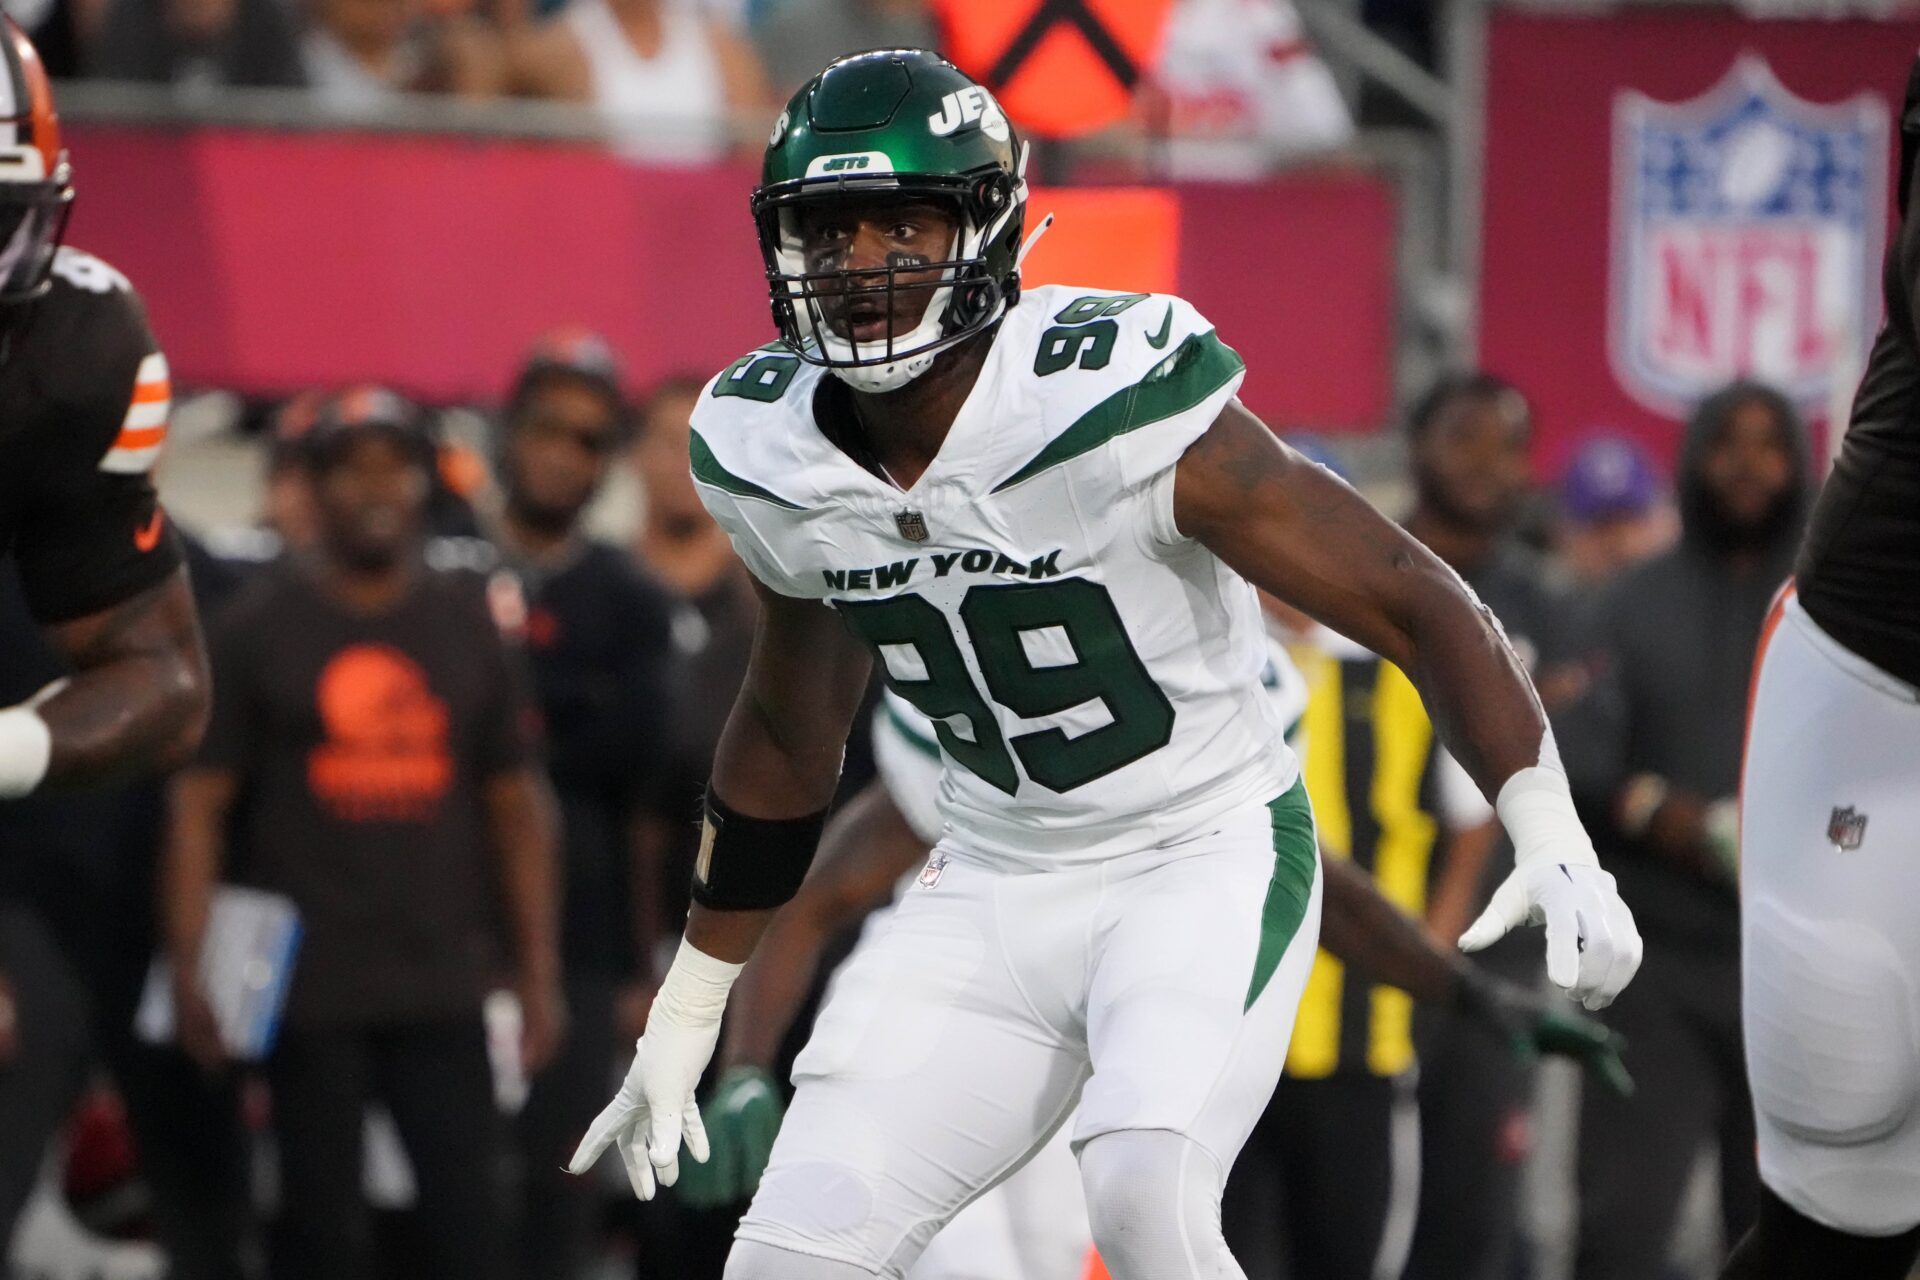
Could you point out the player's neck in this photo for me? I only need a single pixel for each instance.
(904, 429)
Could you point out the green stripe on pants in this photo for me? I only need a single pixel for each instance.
(1295, 859)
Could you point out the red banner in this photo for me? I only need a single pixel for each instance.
(1674, 197)
(277, 261)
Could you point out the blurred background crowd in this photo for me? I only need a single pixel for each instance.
(674, 81)
(585, 625)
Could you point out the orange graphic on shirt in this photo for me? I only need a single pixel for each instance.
(386, 756)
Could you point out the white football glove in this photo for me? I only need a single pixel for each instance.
(1593, 948)
(654, 1108)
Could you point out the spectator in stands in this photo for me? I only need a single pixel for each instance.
(598, 636)
(1468, 441)
(370, 715)
(801, 36)
(1238, 87)
(200, 43)
(360, 53)
(1654, 748)
(666, 77)
(1614, 511)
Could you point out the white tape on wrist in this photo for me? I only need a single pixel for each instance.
(694, 992)
(26, 745)
(1536, 808)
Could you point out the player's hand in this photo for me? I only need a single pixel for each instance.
(1537, 1024)
(654, 1106)
(742, 1117)
(1593, 947)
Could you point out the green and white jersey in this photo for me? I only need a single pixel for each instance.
(906, 753)
(1093, 676)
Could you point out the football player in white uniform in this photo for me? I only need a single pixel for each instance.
(1045, 515)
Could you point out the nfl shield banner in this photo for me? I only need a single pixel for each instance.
(1747, 233)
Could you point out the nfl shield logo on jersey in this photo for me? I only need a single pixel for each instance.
(1846, 828)
(930, 874)
(1747, 229)
(913, 525)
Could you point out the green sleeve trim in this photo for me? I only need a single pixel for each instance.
(1198, 367)
(707, 470)
(1295, 861)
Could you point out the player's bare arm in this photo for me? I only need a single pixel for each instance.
(138, 697)
(774, 774)
(1294, 529)
(780, 751)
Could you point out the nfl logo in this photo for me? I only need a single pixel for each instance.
(1846, 828)
(1747, 229)
(930, 874)
(913, 525)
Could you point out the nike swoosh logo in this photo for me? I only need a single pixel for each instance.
(147, 537)
(1159, 340)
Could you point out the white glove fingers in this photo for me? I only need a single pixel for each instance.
(599, 1134)
(1596, 956)
(696, 1132)
(663, 1145)
(1563, 943)
(1506, 912)
(1626, 957)
(639, 1172)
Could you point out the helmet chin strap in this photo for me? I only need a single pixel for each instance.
(893, 375)
(881, 378)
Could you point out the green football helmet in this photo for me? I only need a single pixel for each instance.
(900, 121)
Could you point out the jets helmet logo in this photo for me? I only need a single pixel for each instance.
(968, 106)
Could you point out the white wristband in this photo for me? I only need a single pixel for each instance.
(1536, 808)
(26, 745)
(694, 992)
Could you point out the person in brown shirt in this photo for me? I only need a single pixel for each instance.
(372, 753)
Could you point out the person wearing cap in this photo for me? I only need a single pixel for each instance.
(1653, 753)
(598, 637)
(1614, 510)
(372, 750)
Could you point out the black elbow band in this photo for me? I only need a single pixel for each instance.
(752, 864)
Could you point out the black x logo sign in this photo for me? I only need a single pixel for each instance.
(1049, 15)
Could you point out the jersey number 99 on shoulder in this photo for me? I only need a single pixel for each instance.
(1043, 649)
